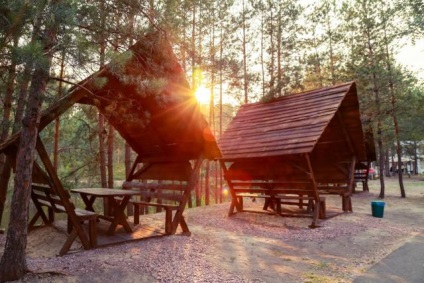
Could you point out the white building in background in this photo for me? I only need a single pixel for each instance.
(410, 152)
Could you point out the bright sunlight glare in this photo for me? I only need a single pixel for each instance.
(203, 95)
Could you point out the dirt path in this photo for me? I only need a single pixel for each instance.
(247, 247)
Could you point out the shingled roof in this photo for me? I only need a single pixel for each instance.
(326, 118)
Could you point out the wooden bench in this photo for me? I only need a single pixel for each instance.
(277, 193)
(341, 189)
(361, 176)
(163, 196)
(44, 196)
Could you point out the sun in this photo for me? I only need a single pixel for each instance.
(203, 95)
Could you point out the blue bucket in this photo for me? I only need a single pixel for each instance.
(377, 208)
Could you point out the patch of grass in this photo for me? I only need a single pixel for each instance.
(315, 278)
(322, 265)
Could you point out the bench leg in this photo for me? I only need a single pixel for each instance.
(322, 209)
(51, 215)
(240, 200)
(68, 243)
(278, 205)
(33, 220)
(184, 226)
(346, 203)
(136, 213)
(92, 230)
(315, 215)
(233, 205)
(268, 203)
(168, 221)
(69, 225)
(310, 206)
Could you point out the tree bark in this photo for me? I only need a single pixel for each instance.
(22, 97)
(394, 116)
(13, 263)
(207, 185)
(57, 120)
(245, 82)
(7, 107)
(110, 147)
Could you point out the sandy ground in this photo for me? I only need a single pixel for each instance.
(247, 247)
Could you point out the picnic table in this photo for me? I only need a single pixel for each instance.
(118, 200)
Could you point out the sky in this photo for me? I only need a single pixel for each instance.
(412, 57)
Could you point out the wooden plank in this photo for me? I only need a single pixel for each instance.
(265, 144)
(154, 186)
(296, 99)
(249, 155)
(279, 124)
(284, 134)
(283, 113)
(302, 112)
(271, 150)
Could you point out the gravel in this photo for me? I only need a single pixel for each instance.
(247, 247)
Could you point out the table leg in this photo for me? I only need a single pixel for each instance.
(88, 201)
(119, 215)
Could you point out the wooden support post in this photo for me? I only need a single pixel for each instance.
(234, 200)
(178, 217)
(315, 192)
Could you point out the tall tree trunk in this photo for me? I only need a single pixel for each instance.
(19, 113)
(262, 54)
(387, 163)
(279, 69)
(394, 116)
(271, 51)
(110, 148)
(318, 61)
(57, 120)
(381, 160)
(207, 187)
(199, 190)
(245, 82)
(7, 104)
(330, 38)
(13, 263)
(101, 119)
(415, 158)
(193, 47)
(5, 126)
(378, 114)
(22, 97)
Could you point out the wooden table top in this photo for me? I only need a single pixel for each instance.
(105, 192)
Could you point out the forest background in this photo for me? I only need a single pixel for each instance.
(233, 52)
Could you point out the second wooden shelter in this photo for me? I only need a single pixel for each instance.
(294, 149)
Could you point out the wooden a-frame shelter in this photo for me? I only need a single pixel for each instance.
(148, 100)
(296, 147)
